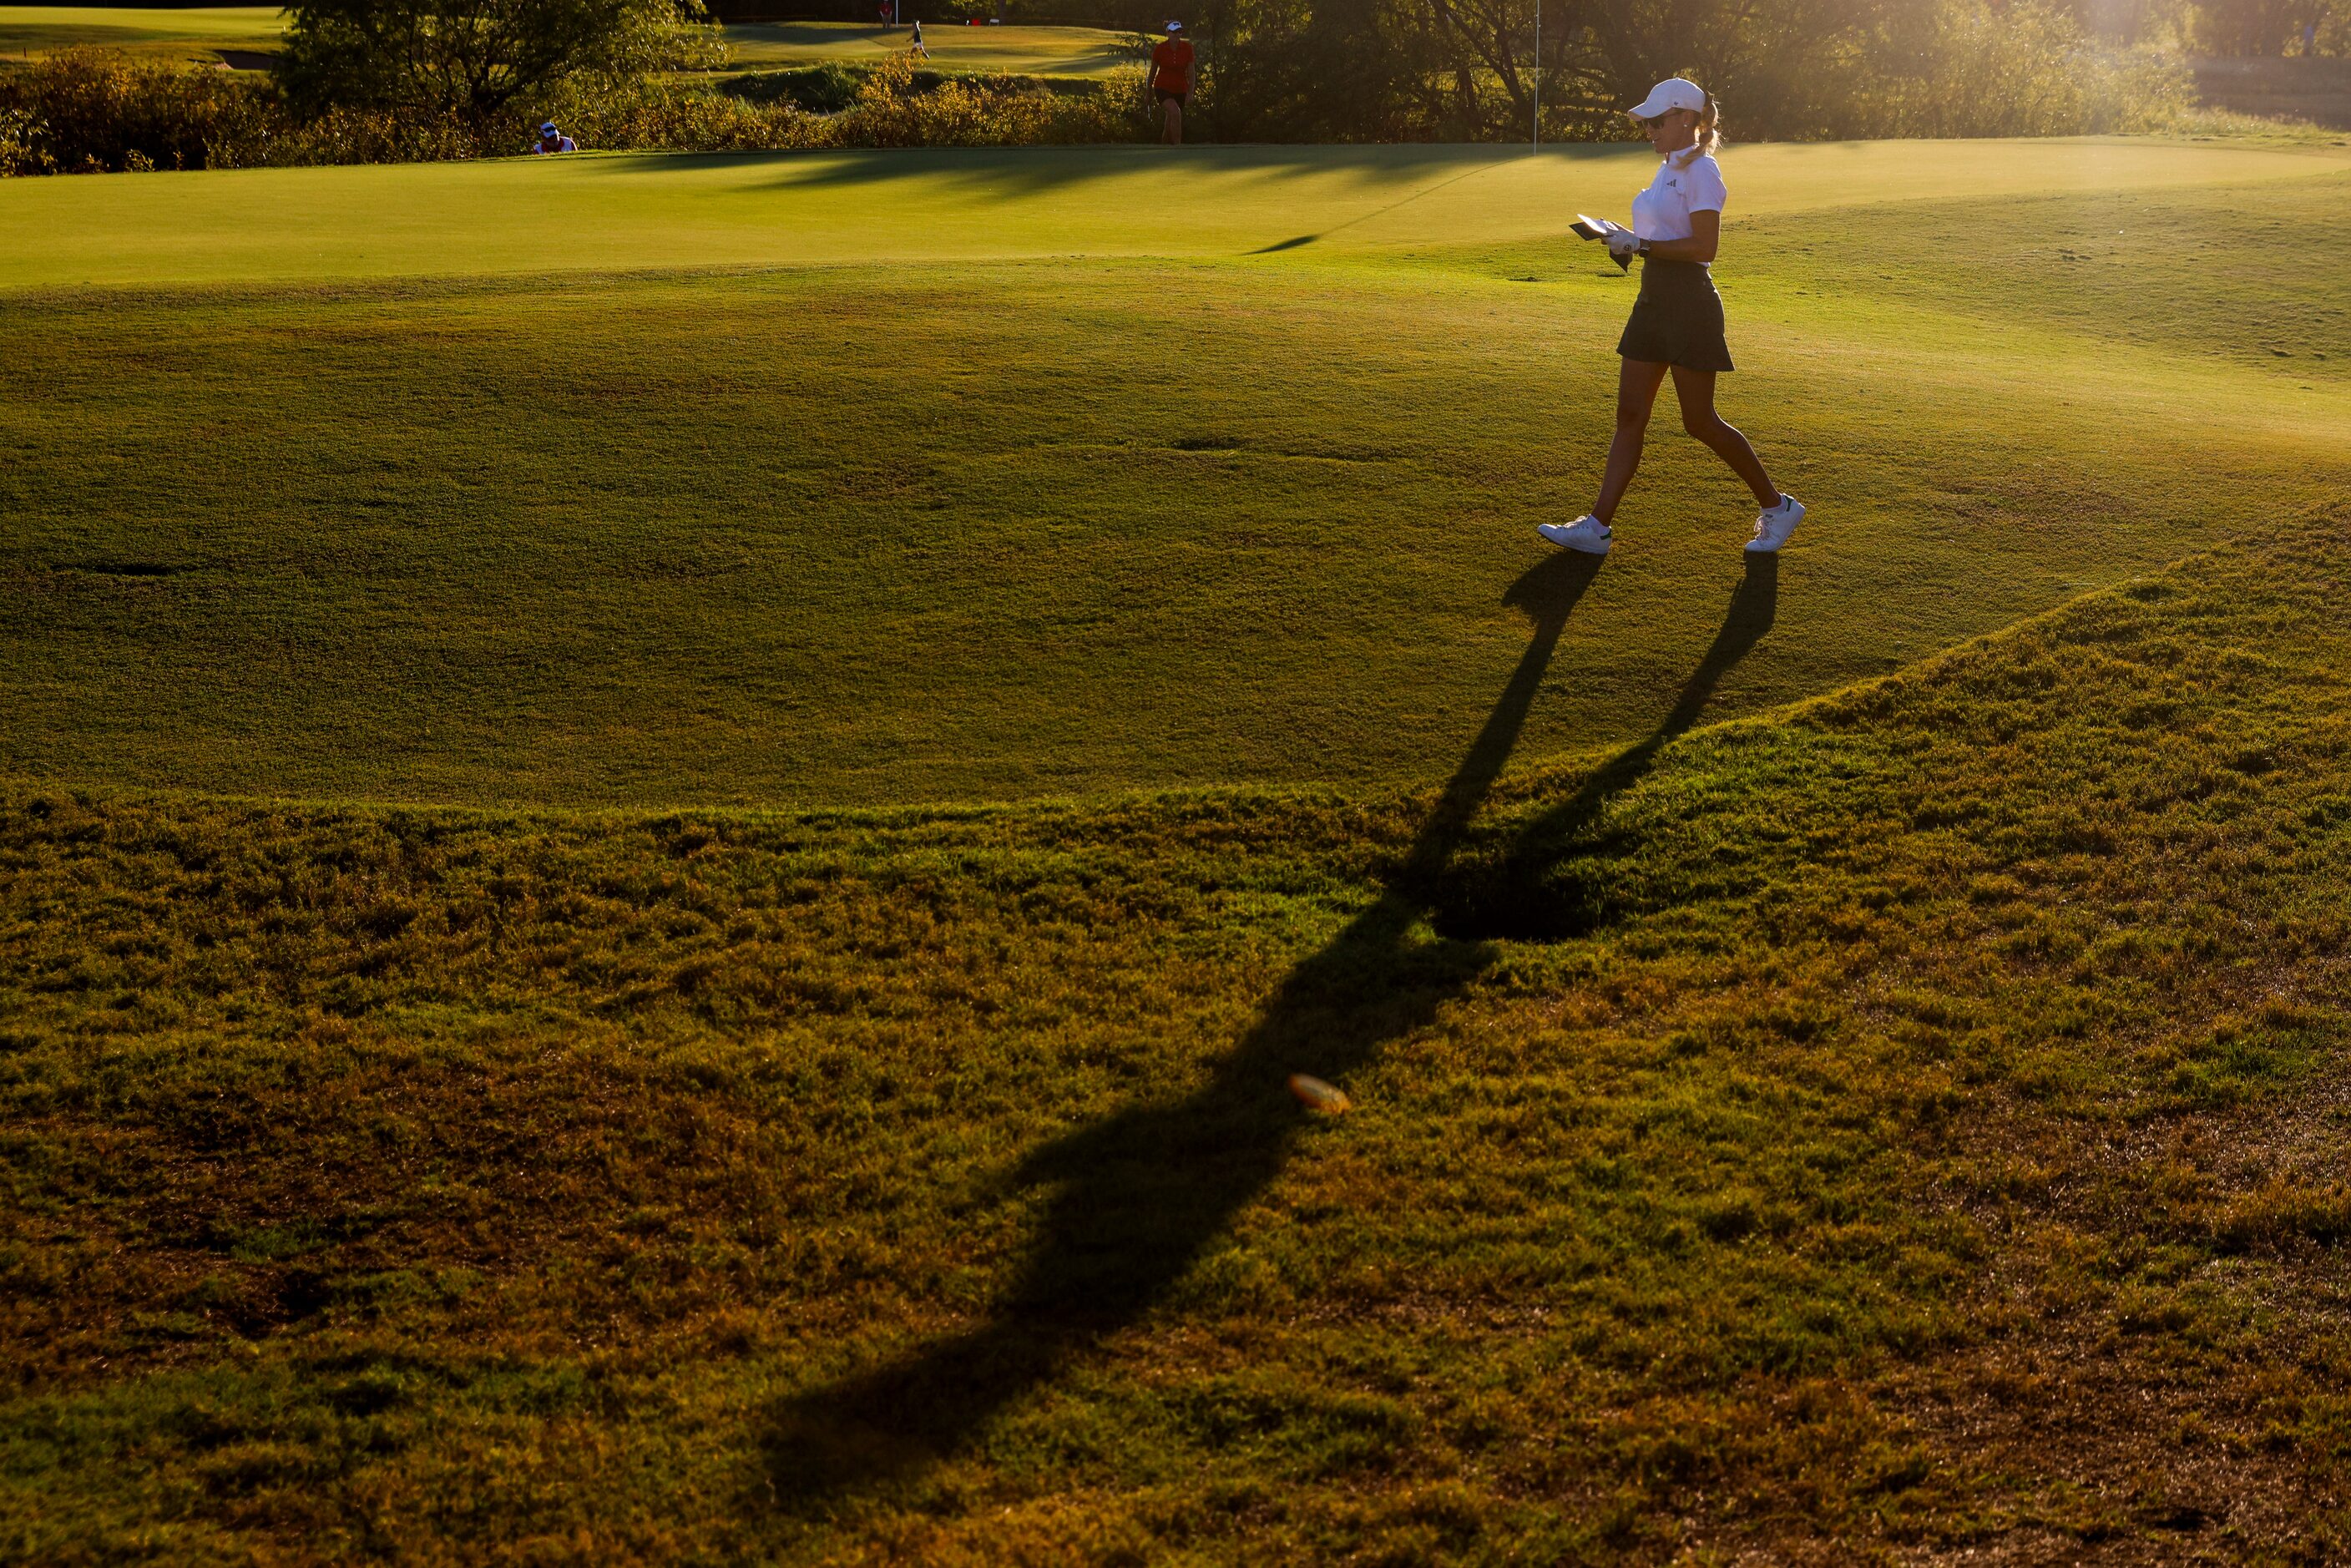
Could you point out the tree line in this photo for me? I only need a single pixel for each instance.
(398, 80)
(1389, 71)
(1785, 69)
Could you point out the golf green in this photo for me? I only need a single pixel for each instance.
(881, 477)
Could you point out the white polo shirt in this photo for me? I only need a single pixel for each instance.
(1663, 211)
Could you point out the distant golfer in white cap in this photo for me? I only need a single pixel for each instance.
(1171, 82)
(1677, 322)
(550, 139)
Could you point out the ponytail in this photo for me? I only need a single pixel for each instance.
(1709, 132)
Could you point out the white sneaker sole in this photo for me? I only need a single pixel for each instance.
(1553, 534)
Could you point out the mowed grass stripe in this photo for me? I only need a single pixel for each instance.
(858, 536)
(630, 211)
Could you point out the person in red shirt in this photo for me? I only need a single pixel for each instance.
(1171, 82)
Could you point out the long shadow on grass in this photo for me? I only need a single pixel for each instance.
(1144, 1193)
(1530, 892)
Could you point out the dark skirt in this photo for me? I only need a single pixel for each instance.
(1678, 320)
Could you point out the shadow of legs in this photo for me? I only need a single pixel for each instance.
(1518, 895)
(1143, 1193)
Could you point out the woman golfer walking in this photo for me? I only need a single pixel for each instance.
(1677, 323)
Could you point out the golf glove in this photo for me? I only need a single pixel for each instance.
(1622, 242)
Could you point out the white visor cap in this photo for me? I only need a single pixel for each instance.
(1674, 93)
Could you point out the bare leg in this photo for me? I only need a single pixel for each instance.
(1637, 394)
(1695, 390)
(1171, 123)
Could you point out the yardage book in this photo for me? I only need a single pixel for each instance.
(1593, 228)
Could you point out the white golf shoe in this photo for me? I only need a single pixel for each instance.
(1587, 534)
(1774, 524)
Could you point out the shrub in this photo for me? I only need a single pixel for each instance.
(21, 137)
(896, 104)
(892, 110)
(1962, 68)
(90, 112)
(349, 136)
(818, 89)
(663, 117)
(473, 58)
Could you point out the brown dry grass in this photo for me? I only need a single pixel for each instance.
(1909, 1137)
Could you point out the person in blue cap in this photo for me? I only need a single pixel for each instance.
(550, 139)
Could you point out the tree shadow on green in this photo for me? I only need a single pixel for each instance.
(1013, 172)
(1144, 1194)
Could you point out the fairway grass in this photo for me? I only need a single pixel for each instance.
(668, 827)
(1016, 51)
(29, 32)
(940, 527)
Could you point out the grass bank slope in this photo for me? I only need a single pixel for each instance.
(1906, 1126)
